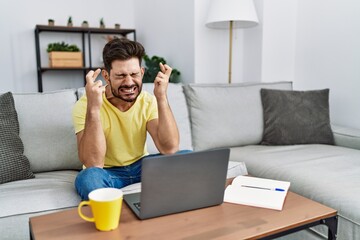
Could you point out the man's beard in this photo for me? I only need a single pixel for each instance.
(128, 90)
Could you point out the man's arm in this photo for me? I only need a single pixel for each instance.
(164, 130)
(91, 141)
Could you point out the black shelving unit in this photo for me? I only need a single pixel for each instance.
(85, 32)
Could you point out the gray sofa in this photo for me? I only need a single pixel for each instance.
(325, 173)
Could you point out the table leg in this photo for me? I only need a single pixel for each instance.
(30, 232)
(331, 223)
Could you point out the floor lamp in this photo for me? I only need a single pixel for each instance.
(231, 14)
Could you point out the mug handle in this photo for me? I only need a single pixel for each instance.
(85, 203)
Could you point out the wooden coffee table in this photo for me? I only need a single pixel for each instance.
(226, 221)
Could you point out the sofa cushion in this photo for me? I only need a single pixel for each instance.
(178, 106)
(227, 115)
(47, 130)
(296, 117)
(17, 227)
(14, 165)
(346, 136)
(47, 191)
(325, 173)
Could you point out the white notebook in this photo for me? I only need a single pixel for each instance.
(257, 192)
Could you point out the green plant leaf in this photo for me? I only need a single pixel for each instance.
(152, 68)
(62, 47)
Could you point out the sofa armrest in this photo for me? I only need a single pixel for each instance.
(346, 136)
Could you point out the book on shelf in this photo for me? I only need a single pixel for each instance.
(257, 192)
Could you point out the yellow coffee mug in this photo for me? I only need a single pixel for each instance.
(105, 205)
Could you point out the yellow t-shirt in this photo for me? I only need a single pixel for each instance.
(125, 132)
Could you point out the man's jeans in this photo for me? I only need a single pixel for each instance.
(93, 178)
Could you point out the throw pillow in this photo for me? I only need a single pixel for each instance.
(296, 117)
(13, 164)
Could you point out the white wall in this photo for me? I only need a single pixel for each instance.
(315, 44)
(166, 29)
(328, 54)
(212, 50)
(17, 23)
(312, 43)
(278, 40)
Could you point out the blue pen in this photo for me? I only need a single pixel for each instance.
(263, 188)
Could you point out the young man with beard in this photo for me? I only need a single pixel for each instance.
(111, 121)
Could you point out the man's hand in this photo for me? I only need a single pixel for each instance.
(91, 141)
(94, 89)
(163, 130)
(161, 81)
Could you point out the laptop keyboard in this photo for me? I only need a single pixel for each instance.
(137, 205)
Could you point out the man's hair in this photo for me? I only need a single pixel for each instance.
(121, 49)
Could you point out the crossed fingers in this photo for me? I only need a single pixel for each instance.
(165, 69)
(91, 77)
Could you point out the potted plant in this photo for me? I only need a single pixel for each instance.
(152, 68)
(85, 24)
(102, 23)
(117, 25)
(62, 47)
(69, 22)
(64, 55)
(51, 22)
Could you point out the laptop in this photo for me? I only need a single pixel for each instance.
(180, 182)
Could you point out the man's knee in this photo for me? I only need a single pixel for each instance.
(90, 179)
(88, 175)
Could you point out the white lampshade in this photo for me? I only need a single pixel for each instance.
(241, 12)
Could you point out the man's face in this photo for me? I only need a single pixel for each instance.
(125, 79)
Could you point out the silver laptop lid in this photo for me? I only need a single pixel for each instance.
(182, 182)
